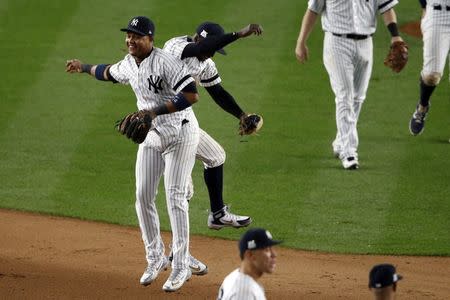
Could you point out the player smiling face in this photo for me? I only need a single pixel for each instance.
(139, 46)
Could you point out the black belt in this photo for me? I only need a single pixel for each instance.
(439, 7)
(184, 122)
(353, 36)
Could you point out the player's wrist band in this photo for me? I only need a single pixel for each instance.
(180, 102)
(86, 68)
(393, 29)
(99, 71)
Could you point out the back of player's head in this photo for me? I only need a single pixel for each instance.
(256, 238)
(208, 29)
(383, 275)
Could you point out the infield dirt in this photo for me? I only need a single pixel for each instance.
(45, 257)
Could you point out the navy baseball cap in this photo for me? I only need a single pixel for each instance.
(383, 275)
(211, 29)
(256, 238)
(140, 25)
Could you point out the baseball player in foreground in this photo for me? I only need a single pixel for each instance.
(435, 27)
(348, 57)
(165, 91)
(257, 257)
(383, 280)
(197, 53)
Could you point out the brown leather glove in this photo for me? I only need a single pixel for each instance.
(397, 56)
(135, 126)
(250, 124)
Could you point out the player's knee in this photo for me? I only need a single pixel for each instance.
(215, 161)
(432, 79)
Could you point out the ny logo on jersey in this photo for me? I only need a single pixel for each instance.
(134, 22)
(155, 82)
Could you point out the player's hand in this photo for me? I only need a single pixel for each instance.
(73, 66)
(301, 52)
(396, 39)
(250, 29)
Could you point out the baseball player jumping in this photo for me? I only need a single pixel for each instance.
(165, 91)
(348, 57)
(196, 53)
(435, 27)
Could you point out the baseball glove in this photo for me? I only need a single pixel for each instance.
(397, 56)
(135, 126)
(250, 124)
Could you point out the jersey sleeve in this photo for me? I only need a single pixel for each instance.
(175, 46)
(175, 73)
(317, 6)
(385, 5)
(121, 72)
(210, 75)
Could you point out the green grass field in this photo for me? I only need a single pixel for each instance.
(60, 154)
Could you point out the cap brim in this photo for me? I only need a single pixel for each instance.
(133, 30)
(221, 51)
(274, 242)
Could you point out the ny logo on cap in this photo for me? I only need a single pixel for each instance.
(203, 33)
(251, 244)
(268, 234)
(134, 22)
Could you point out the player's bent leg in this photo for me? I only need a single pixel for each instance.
(428, 82)
(432, 78)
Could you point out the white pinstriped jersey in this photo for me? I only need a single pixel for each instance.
(156, 81)
(239, 286)
(350, 16)
(205, 72)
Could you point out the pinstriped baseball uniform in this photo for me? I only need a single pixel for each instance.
(237, 286)
(209, 151)
(348, 61)
(168, 150)
(435, 27)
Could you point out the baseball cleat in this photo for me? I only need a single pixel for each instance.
(417, 122)
(176, 279)
(197, 267)
(152, 271)
(350, 163)
(223, 218)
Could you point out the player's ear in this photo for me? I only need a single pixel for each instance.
(195, 38)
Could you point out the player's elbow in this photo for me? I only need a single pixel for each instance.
(193, 98)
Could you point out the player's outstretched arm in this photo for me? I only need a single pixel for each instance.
(101, 72)
(301, 50)
(210, 44)
(225, 100)
(250, 29)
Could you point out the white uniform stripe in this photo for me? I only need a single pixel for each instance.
(436, 37)
(209, 151)
(350, 16)
(349, 66)
(237, 286)
(169, 149)
(205, 72)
